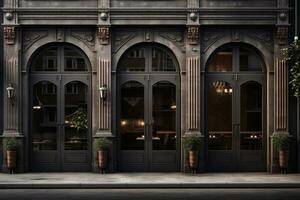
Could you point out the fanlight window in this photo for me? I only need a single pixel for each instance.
(162, 60)
(222, 61)
(60, 58)
(47, 60)
(134, 60)
(147, 58)
(235, 58)
(249, 61)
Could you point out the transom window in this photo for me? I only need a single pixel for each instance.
(59, 58)
(147, 58)
(235, 58)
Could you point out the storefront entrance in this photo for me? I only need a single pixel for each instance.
(60, 110)
(235, 110)
(148, 110)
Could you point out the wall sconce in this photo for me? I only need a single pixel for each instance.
(10, 91)
(103, 92)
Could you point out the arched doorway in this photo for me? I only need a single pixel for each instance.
(235, 104)
(148, 109)
(60, 109)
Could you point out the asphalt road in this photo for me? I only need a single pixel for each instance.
(147, 194)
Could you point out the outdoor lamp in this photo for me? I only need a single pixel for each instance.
(10, 91)
(103, 92)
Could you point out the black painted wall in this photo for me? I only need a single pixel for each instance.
(1, 81)
(293, 109)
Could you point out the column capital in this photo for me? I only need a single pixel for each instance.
(282, 34)
(103, 34)
(193, 34)
(9, 34)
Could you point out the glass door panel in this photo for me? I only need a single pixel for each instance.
(220, 116)
(76, 116)
(44, 116)
(164, 116)
(251, 116)
(132, 116)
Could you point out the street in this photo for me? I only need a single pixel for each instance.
(145, 194)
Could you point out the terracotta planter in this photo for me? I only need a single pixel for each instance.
(102, 160)
(193, 160)
(11, 158)
(283, 160)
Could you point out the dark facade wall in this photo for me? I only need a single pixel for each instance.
(293, 108)
(1, 79)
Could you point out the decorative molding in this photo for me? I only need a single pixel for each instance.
(103, 35)
(87, 37)
(10, 3)
(211, 37)
(11, 122)
(121, 38)
(192, 93)
(236, 35)
(264, 36)
(193, 3)
(148, 35)
(193, 34)
(9, 16)
(60, 35)
(30, 37)
(9, 34)
(282, 35)
(281, 95)
(176, 37)
(104, 106)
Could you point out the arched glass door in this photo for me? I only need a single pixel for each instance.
(60, 109)
(148, 110)
(235, 103)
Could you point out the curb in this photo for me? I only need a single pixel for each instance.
(145, 185)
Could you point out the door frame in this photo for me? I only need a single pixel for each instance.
(118, 75)
(148, 81)
(59, 79)
(236, 80)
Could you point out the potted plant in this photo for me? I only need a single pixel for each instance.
(11, 145)
(281, 144)
(101, 146)
(192, 144)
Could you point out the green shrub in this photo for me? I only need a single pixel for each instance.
(192, 142)
(101, 144)
(280, 141)
(292, 56)
(11, 143)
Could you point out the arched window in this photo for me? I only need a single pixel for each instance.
(235, 58)
(59, 57)
(147, 58)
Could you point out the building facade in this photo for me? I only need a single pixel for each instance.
(144, 74)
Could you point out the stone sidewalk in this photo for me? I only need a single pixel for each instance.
(148, 180)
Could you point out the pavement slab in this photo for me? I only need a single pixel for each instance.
(148, 180)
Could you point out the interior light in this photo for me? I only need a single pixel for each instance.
(123, 122)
